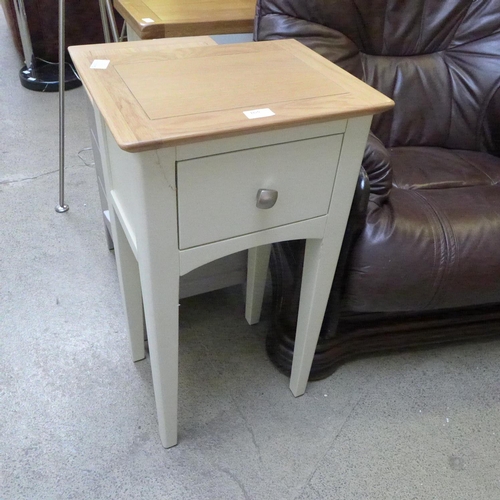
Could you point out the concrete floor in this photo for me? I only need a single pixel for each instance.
(77, 417)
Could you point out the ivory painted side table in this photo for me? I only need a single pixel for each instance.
(226, 20)
(212, 150)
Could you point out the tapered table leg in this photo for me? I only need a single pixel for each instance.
(258, 263)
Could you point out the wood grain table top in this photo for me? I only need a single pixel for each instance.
(160, 93)
(171, 18)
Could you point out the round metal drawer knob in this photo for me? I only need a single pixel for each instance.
(266, 198)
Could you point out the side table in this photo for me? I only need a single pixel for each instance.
(212, 150)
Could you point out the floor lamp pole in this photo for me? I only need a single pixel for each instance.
(104, 20)
(112, 21)
(61, 207)
(106, 10)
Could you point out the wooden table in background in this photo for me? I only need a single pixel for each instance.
(148, 19)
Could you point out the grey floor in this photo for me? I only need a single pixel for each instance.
(77, 417)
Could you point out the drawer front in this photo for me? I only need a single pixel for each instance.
(217, 194)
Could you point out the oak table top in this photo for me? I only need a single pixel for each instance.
(172, 18)
(156, 94)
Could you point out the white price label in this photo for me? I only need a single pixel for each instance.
(99, 64)
(258, 113)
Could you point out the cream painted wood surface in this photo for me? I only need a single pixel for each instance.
(125, 105)
(224, 187)
(258, 264)
(174, 18)
(259, 139)
(147, 177)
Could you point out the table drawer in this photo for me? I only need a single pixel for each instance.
(217, 194)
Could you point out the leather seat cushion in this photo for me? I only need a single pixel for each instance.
(436, 243)
(438, 168)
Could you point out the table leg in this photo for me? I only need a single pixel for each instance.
(321, 255)
(158, 257)
(128, 273)
(132, 36)
(258, 263)
(161, 308)
(319, 268)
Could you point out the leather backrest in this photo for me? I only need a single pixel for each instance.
(439, 61)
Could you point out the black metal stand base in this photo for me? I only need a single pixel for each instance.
(44, 77)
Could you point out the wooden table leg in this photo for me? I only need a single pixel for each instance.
(258, 263)
(160, 290)
(130, 283)
(319, 268)
(158, 257)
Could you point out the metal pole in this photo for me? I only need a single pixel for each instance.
(104, 20)
(22, 22)
(112, 21)
(105, 5)
(62, 77)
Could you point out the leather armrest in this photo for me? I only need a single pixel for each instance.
(377, 164)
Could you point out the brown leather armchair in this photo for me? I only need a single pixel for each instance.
(425, 268)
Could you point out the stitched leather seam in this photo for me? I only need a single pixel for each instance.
(359, 17)
(479, 169)
(450, 79)
(452, 261)
(457, 49)
(440, 246)
(384, 45)
(422, 17)
(484, 107)
(449, 249)
(459, 25)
